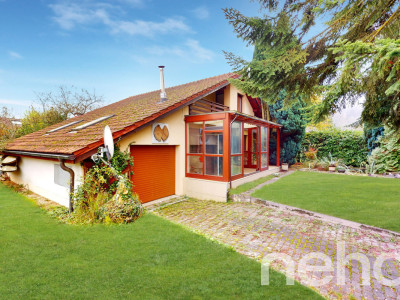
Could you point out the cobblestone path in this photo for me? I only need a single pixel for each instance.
(256, 231)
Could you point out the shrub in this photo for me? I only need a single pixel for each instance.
(386, 157)
(97, 201)
(347, 145)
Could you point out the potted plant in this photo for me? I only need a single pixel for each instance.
(285, 167)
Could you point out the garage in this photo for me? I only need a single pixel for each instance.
(153, 171)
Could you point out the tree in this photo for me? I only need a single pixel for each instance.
(35, 120)
(354, 53)
(7, 128)
(57, 107)
(69, 102)
(293, 130)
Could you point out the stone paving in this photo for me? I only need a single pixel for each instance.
(256, 230)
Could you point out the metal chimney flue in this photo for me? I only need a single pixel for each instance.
(163, 94)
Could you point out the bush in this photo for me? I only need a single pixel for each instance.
(348, 145)
(386, 157)
(98, 201)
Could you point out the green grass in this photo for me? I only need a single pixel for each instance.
(367, 200)
(150, 259)
(249, 185)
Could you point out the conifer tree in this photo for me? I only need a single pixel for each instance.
(353, 53)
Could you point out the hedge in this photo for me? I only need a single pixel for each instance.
(348, 145)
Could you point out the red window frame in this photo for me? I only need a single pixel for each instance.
(203, 155)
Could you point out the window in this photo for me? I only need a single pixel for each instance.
(219, 98)
(64, 126)
(236, 148)
(264, 147)
(61, 177)
(83, 126)
(205, 148)
(239, 103)
(195, 137)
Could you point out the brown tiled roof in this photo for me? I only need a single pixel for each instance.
(129, 114)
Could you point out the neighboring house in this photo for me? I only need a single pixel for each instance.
(203, 138)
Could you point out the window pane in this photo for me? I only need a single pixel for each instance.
(236, 138)
(214, 143)
(264, 161)
(213, 166)
(264, 139)
(195, 137)
(236, 165)
(214, 125)
(195, 165)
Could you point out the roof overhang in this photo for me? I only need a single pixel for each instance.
(254, 120)
(55, 156)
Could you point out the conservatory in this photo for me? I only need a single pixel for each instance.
(227, 146)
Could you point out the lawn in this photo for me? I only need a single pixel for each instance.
(150, 259)
(367, 200)
(249, 185)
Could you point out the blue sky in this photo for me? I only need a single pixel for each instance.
(112, 47)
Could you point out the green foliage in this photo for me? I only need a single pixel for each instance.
(96, 200)
(292, 133)
(35, 120)
(354, 53)
(371, 136)
(347, 145)
(386, 157)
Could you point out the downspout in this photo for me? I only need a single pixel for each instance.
(230, 139)
(71, 184)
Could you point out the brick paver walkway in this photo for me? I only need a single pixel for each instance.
(256, 231)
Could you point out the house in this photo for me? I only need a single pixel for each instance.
(197, 139)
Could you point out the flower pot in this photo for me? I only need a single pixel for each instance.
(332, 168)
(285, 167)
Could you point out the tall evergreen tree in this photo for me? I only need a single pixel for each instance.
(354, 53)
(293, 130)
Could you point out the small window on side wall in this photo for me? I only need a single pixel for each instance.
(61, 177)
(220, 97)
(239, 103)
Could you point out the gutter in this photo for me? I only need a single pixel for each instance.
(71, 183)
(40, 154)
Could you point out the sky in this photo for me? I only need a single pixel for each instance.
(111, 47)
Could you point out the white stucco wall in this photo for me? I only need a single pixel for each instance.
(38, 176)
(205, 189)
(230, 99)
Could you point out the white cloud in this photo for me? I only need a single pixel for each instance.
(190, 50)
(15, 102)
(68, 15)
(14, 54)
(149, 28)
(71, 14)
(201, 13)
(198, 51)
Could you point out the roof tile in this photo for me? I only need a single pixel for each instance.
(127, 113)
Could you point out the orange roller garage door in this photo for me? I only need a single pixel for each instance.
(153, 171)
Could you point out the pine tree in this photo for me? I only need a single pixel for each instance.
(355, 53)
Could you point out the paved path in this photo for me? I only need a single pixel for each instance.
(256, 230)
